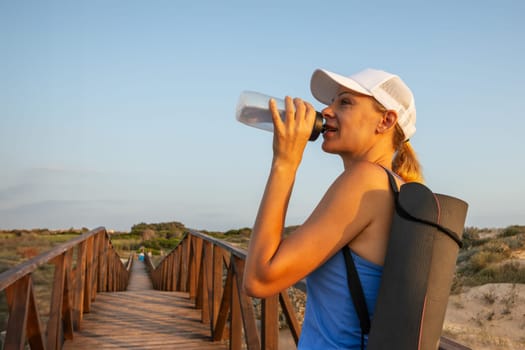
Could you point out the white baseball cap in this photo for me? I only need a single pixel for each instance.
(388, 89)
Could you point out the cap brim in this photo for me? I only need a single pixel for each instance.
(324, 85)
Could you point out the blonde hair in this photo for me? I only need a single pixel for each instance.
(405, 162)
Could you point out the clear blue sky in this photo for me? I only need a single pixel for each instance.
(119, 112)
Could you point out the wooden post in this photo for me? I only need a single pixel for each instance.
(197, 248)
(248, 314)
(18, 300)
(80, 276)
(270, 323)
(289, 313)
(105, 266)
(54, 325)
(89, 275)
(235, 317)
(217, 289)
(222, 316)
(96, 253)
(67, 297)
(192, 268)
(205, 285)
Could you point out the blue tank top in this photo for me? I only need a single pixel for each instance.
(330, 320)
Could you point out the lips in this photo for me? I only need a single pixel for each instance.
(329, 128)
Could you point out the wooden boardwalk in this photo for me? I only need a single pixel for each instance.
(142, 318)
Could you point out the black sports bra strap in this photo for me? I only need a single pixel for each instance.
(392, 180)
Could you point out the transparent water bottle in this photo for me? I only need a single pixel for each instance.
(253, 110)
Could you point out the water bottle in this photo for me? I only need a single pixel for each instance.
(253, 110)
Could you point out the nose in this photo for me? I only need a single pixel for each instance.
(327, 112)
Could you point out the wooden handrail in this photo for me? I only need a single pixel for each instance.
(211, 270)
(84, 265)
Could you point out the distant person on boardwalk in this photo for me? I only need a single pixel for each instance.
(369, 119)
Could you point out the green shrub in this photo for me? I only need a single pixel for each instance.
(470, 236)
(512, 231)
(515, 242)
(482, 259)
(510, 272)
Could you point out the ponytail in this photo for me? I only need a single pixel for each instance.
(405, 162)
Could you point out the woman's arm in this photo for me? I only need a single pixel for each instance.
(290, 138)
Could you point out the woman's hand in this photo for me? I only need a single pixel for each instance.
(292, 134)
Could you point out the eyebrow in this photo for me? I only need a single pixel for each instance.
(342, 93)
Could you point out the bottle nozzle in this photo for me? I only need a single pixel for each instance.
(318, 127)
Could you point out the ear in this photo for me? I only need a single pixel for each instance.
(387, 122)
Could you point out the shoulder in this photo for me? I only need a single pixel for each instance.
(357, 191)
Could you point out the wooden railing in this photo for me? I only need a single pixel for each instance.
(211, 271)
(84, 266)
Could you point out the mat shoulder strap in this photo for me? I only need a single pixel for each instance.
(357, 294)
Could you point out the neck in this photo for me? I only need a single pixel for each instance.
(376, 155)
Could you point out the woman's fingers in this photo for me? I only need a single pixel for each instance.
(298, 118)
(276, 117)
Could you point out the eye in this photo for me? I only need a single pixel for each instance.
(345, 101)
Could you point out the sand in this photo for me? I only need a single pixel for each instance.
(491, 316)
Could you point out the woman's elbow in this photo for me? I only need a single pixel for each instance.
(250, 286)
(255, 288)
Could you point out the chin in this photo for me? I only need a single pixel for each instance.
(328, 148)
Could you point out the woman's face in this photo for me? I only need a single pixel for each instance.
(351, 123)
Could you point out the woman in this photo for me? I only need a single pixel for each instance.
(368, 120)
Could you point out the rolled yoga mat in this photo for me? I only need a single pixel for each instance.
(418, 270)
